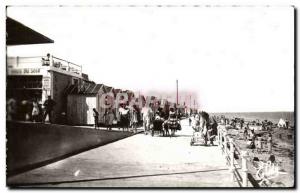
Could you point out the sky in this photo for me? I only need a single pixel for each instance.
(230, 59)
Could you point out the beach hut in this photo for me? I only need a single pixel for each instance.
(80, 104)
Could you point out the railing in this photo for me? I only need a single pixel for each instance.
(66, 65)
(237, 160)
(38, 61)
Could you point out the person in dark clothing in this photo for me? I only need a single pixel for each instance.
(49, 106)
(253, 138)
(96, 116)
(245, 133)
(212, 130)
(242, 123)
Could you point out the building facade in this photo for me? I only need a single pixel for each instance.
(36, 78)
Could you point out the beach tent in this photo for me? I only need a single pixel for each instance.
(281, 123)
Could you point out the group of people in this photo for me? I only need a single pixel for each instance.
(161, 120)
(255, 141)
(30, 110)
(128, 118)
(206, 125)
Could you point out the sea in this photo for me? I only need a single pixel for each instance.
(270, 116)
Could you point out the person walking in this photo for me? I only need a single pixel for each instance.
(109, 118)
(124, 117)
(96, 117)
(49, 106)
(146, 114)
(134, 120)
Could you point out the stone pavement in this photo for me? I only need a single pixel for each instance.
(137, 161)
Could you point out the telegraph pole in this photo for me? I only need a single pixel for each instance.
(194, 103)
(176, 92)
(190, 101)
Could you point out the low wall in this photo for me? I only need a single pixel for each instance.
(31, 145)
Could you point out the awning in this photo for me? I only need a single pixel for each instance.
(19, 34)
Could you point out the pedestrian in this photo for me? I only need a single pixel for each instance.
(146, 114)
(269, 143)
(245, 133)
(242, 123)
(124, 117)
(210, 135)
(259, 144)
(252, 137)
(190, 121)
(134, 119)
(35, 111)
(11, 109)
(49, 106)
(96, 116)
(110, 116)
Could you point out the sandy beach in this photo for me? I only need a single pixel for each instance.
(282, 149)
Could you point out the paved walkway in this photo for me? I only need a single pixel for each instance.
(137, 161)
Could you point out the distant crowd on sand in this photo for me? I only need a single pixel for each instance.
(256, 133)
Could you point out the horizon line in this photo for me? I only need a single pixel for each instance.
(252, 111)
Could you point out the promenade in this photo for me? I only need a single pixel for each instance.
(137, 161)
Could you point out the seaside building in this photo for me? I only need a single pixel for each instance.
(38, 77)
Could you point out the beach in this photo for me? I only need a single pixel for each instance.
(282, 144)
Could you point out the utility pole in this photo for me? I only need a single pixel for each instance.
(194, 103)
(190, 101)
(176, 92)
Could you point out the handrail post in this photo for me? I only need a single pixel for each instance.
(231, 157)
(219, 137)
(244, 155)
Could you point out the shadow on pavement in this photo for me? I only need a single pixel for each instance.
(113, 178)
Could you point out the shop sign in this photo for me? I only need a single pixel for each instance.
(24, 71)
